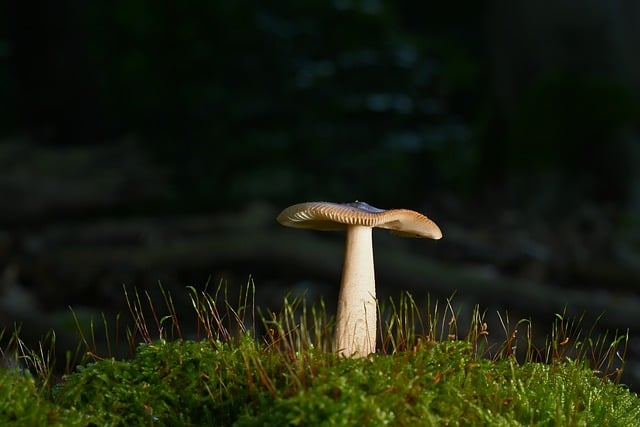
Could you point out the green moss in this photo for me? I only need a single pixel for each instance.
(176, 382)
(22, 403)
(195, 383)
(444, 385)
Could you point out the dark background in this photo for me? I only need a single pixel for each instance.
(150, 141)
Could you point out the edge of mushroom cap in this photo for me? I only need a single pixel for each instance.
(329, 216)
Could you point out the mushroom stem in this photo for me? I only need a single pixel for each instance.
(356, 314)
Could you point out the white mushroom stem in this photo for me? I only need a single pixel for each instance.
(356, 316)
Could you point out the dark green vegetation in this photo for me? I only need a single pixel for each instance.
(332, 98)
(424, 374)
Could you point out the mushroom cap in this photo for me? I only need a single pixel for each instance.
(329, 216)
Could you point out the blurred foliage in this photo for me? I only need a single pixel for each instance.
(7, 114)
(288, 101)
(560, 104)
(569, 123)
(282, 100)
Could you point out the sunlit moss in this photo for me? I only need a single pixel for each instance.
(424, 374)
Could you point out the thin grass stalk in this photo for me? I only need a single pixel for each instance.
(172, 316)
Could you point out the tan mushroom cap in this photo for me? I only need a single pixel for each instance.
(337, 216)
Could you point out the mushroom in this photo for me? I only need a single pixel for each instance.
(357, 312)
